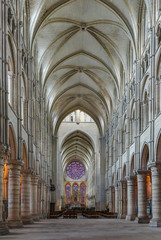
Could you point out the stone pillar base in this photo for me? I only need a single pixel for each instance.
(27, 220)
(121, 216)
(155, 222)
(14, 223)
(36, 218)
(3, 228)
(130, 217)
(142, 220)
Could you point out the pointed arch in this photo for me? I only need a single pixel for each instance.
(67, 193)
(83, 193)
(12, 143)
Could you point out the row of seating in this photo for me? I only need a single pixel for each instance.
(91, 214)
(56, 214)
(107, 214)
(70, 214)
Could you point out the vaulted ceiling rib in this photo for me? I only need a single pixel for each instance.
(82, 48)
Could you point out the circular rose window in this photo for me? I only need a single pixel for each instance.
(75, 170)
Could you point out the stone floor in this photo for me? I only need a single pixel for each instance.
(95, 229)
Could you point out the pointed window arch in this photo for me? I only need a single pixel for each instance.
(75, 193)
(83, 193)
(67, 193)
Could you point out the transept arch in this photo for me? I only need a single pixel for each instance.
(12, 143)
(144, 156)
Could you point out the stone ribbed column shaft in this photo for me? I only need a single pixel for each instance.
(25, 197)
(34, 197)
(48, 201)
(124, 198)
(42, 199)
(110, 199)
(131, 199)
(39, 199)
(142, 201)
(156, 196)
(113, 199)
(14, 196)
(116, 199)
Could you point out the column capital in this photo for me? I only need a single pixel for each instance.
(4, 150)
(1, 160)
(26, 171)
(123, 181)
(154, 164)
(14, 162)
(130, 178)
(142, 172)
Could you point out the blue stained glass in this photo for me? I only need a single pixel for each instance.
(67, 194)
(83, 190)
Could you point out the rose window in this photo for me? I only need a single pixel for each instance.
(75, 170)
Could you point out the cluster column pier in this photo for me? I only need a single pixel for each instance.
(156, 196)
(25, 196)
(14, 220)
(142, 197)
(34, 197)
(131, 212)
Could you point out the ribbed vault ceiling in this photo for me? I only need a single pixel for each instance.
(81, 48)
(77, 146)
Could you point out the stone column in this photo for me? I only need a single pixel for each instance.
(119, 199)
(113, 199)
(14, 219)
(142, 198)
(124, 199)
(48, 201)
(25, 196)
(45, 202)
(34, 198)
(131, 213)
(110, 199)
(156, 197)
(116, 199)
(42, 199)
(3, 226)
(39, 199)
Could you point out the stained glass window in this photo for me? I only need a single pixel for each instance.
(75, 193)
(83, 193)
(75, 170)
(67, 194)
